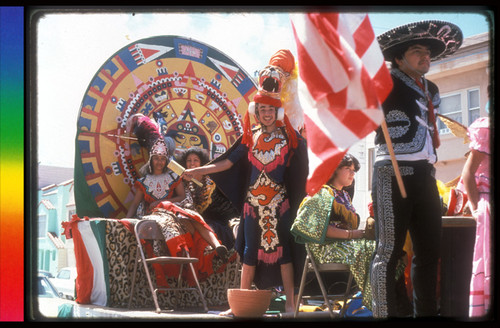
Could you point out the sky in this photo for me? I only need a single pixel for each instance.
(72, 46)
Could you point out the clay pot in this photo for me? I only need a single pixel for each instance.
(248, 303)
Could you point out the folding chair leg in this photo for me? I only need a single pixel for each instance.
(179, 285)
(322, 287)
(153, 291)
(302, 285)
(205, 307)
(346, 295)
(323, 290)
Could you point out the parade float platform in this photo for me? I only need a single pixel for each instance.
(117, 266)
(95, 312)
(82, 312)
(105, 251)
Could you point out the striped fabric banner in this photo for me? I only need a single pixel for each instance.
(92, 282)
(342, 81)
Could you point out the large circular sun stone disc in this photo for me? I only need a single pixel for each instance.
(196, 94)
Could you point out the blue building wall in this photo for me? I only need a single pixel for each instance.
(55, 205)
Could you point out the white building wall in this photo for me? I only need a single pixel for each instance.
(362, 193)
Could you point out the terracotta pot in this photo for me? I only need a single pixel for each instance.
(248, 303)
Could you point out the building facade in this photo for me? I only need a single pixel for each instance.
(463, 81)
(56, 204)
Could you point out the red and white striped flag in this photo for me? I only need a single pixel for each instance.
(342, 82)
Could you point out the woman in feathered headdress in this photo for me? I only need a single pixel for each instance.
(264, 175)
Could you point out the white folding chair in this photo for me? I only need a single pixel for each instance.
(149, 231)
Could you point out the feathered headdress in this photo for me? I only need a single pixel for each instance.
(150, 137)
(277, 87)
(159, 149)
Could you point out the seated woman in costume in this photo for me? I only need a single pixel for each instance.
(161, 190)
(208, 200)
(328, 223)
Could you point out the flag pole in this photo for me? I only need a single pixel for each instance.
(393, 159)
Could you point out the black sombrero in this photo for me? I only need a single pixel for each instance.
(443, 38)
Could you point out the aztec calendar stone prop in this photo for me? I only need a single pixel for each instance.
(195, 93)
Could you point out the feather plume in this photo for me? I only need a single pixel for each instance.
(456, 128)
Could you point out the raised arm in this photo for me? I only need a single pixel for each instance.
(207, 169)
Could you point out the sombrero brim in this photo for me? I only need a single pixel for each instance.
(443, 38)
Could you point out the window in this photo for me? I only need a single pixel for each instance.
(44, 288)
(473, 105)
(462, 106)
(42, 225)
(63, 274)
(451, 107)
(71, 212)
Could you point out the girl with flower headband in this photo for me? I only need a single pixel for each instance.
(264, 175)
